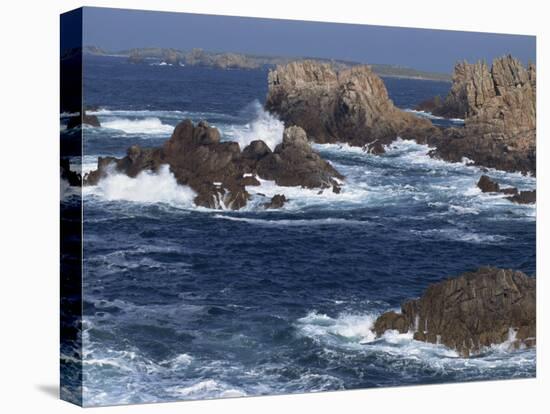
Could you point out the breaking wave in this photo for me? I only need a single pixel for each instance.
(263, 126)
(147, 187)
(354, 333)
(139, 126)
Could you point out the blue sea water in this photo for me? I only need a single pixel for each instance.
(183, 302)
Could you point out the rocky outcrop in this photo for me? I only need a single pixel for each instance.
(499, 107)
(487, 185)
(351, 105)
(218, 171)
(471, 311)
(277, 201)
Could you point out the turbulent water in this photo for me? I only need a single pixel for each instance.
(183, 302)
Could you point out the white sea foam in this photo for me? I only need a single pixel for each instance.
(206, 389)
(457, 234)
(264, 126)
(295, 222)
(345, 328)
(147, 187)
(352, 194)
(143, 113)
(429, 115)
(138, 126)
(354, 333)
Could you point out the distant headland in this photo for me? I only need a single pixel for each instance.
(230, 60)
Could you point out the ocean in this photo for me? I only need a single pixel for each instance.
(182, 302)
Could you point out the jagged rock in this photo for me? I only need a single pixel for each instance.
(295, 163)
(218, 171)
(472, 87)
(471, 311)
(277, 201)
(78, 121)
(351, 105)
(499, 107)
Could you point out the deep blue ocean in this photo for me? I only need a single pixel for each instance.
(183, 302)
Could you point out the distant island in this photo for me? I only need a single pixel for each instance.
(229, 60)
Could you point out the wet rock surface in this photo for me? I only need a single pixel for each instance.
(219, 171)
(472, 311)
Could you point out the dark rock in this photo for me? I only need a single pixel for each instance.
(218, 171)
(277, 201)
(256, 150)
(521, 197)
(509, 190)
(471, 311)
(487, 185)
(351, 106)
(524, 197)
(295, 163)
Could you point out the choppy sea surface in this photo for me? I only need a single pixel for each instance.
(183, 302)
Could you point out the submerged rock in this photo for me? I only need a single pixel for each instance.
(218, 171)
(471, 311)
(351, 105)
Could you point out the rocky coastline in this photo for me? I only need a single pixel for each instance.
(352, 106)
(219, 172)
(470, 312)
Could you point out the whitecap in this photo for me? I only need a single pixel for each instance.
(146, 187)
(146, 126)
(429, 115)
(295, 222)
(264, 126)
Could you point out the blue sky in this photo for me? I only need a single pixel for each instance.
(433, 50)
